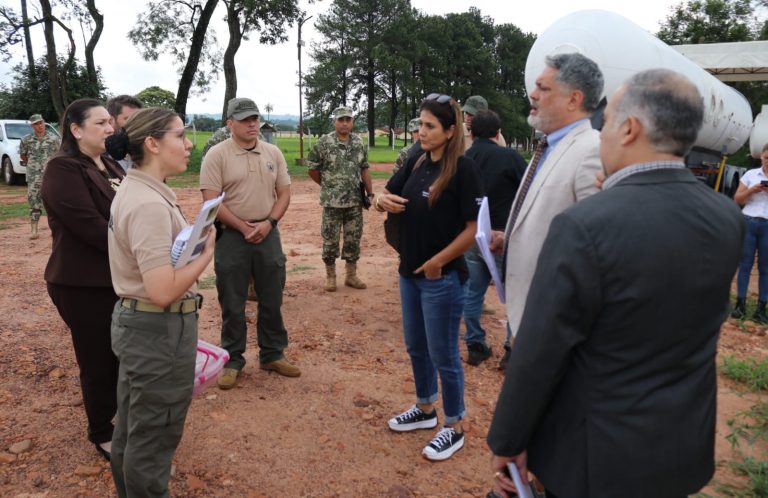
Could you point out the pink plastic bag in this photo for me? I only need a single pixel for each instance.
(210, 361)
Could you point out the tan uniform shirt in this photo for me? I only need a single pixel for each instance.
(144, 221)
(249, 177)
(468, 139)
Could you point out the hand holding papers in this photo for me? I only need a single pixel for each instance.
(190, 241)
(523, 490)
(483, 238)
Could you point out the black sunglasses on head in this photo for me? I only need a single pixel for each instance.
(441, 98)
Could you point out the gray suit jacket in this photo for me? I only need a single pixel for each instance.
(567, 176)
(611, 383)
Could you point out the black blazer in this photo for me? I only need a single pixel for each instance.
(611, 381)
(77, 197)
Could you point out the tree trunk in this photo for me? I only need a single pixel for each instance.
(54, 78)
(28, 45)
(393, 106)
(195, 49)
(98, 19)
(230, 71)
(370, 83)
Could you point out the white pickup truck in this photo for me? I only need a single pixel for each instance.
(11, 132)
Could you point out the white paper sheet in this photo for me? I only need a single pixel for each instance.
(483, 238)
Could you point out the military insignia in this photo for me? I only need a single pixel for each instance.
(271, 166)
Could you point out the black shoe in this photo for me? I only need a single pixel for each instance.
(445, 443)
(504, 359)
(412, 419)
(740, 309)
(106, 454)
(760, 316)
(478, 353)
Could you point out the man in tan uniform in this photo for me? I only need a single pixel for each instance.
(254, 176)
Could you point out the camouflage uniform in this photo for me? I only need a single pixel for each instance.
(413, 127)
(401, 158)
(38, 151)
(218, 136)
(340, 164)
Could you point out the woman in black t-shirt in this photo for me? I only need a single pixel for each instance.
(438, 196)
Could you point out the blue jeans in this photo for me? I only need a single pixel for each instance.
(431, 315)
(479, 280)
(755, 240)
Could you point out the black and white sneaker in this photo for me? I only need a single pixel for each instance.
(412, 419)
(445, 443)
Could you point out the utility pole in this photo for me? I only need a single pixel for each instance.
(301, 95)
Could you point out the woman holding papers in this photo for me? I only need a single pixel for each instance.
(79, 184)
(154, 324)
(437, 195)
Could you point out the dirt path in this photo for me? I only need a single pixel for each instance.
(321, 435)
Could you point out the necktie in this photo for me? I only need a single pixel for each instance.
(527, 182)
(529, 174)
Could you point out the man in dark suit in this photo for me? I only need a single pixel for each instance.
(501, 170)
(611, 385)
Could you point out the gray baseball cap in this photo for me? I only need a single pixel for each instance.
(35, 118)
(240, 109)
(475, 104)
(413, 125)
(343, 112)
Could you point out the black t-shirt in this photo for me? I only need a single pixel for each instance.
(425, 231)
(501, 171)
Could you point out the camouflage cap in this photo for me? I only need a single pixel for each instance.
(413, 125)
(343, 112)
(35, 118)
(240, 109)
(475, 104)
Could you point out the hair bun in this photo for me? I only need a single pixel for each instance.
(117, 145)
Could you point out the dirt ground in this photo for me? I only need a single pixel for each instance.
(323, 434)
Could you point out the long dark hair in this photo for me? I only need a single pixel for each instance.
(448, 114)
(76, 112)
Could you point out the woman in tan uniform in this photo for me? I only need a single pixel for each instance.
(154, 324)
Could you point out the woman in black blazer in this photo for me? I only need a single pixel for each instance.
(79, 184)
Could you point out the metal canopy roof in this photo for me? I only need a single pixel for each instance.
(738, 61)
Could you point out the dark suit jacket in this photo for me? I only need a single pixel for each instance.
(501, 170)
(77, 196)
(611, 381)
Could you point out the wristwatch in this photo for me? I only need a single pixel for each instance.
(272, 221)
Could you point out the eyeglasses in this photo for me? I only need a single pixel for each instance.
(441, 98)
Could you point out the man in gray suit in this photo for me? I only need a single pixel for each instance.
(611, 385)
(567, 92)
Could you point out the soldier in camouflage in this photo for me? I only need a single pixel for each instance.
(415, 147)
(34, 150)
(218, 136)
(338, 163)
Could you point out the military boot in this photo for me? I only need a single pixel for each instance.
(760, 316)
(351, 279)
(330, 278)
(34, 233)
(740, 310)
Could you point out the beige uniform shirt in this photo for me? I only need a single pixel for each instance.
(468, 139)
(144, 221)
(249, 177)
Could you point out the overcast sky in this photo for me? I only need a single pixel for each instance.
(269, 74)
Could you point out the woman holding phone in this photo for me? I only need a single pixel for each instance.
(438, 196)
(752, 194)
